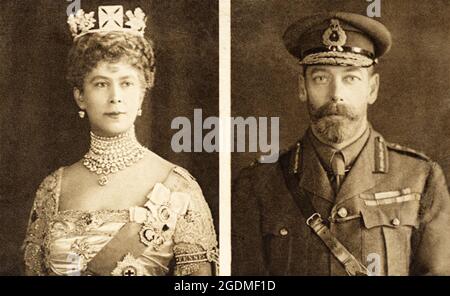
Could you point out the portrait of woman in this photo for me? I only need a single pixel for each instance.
(121, 209)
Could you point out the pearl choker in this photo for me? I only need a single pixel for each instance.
(108, 155)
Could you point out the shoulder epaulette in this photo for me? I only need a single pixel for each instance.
(408, 151)
(262, 159)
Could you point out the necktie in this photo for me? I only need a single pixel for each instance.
(338, 167)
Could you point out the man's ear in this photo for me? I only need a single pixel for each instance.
(374, 83)
(78, 96)
(302, 94)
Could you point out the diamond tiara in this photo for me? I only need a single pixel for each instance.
(110, 18)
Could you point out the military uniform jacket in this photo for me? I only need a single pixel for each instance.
(392, 213)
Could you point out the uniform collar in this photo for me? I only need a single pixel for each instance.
(350, 152)
(372, 159)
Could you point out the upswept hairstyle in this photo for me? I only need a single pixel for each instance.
(90, 49)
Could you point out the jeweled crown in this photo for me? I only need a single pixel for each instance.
(110, 18)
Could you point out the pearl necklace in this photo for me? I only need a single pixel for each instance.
(108, 155)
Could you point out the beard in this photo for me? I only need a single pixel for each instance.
(334, 122)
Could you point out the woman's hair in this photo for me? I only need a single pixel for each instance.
(90, 49)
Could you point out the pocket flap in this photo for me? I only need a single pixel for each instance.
(392, 215)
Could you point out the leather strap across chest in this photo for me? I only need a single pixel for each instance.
(352, 266)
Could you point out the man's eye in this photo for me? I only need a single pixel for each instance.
(352, 78)
(320, 79)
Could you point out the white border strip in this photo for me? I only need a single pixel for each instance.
(224, 137)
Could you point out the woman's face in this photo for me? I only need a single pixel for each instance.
(112, 95)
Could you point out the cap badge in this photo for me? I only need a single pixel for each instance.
(334, 37)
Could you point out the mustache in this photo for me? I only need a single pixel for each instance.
(331, 109)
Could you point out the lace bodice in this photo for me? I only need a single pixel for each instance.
(63, 242)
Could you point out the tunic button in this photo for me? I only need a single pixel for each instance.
(342, 212)
(283, 231)
(395, 222)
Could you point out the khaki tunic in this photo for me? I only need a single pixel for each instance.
(392, 213)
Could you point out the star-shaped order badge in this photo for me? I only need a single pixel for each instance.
(164, 207)
(129, 266)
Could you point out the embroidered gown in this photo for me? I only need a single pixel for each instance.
(177, 220)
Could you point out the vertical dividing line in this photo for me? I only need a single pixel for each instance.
(224, 136)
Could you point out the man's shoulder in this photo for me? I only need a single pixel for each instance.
(399, 151)
(262, 170)
(407, 161)
(407, 152)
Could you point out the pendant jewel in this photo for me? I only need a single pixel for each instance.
(111, 155)
(103, 180)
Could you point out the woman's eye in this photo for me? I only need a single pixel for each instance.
(127, 83)
(101, 84)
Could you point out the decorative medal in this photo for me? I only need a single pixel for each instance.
(151, 237)
(164, 213)
(334, 37)
(129, 266)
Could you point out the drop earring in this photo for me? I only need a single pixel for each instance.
(139, 112)
(81, 113)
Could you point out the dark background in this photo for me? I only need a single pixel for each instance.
(40, 128)
(413, 105)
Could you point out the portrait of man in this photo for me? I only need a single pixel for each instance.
(343, 198)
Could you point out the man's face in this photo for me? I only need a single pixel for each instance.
(337, 99)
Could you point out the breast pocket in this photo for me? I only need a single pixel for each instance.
(278, 239)
(387, 232)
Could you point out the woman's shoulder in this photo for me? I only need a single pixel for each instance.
(154, 162)
(174, 175)
(179, 179)
(72, 171)
(184, 186)
(47, 194)
(52, 181)
(195, 227)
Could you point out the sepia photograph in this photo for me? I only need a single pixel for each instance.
(91, 180)
(313, 133)
(358, 94)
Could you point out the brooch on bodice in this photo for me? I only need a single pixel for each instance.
(159, 215)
